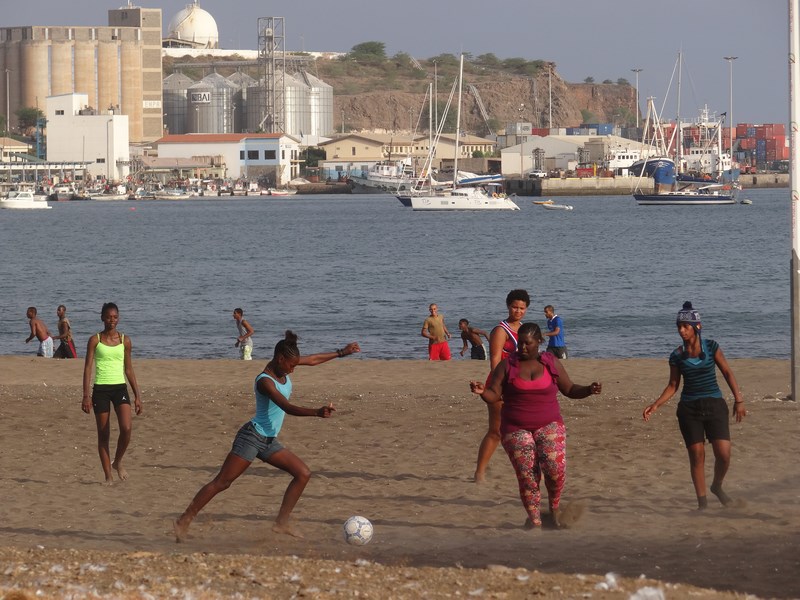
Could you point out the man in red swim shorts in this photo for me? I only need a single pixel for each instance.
(436, 331)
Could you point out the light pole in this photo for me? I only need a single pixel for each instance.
(730, 60)
(342, 121)
(521, 143)
(8, 104)
(108, 152)
(637, 71)
(550, 93)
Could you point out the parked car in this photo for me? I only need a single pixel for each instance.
(536, 174)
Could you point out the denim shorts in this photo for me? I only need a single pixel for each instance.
(249, 444)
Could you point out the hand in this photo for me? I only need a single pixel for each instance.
(462, 352)
(648, 412)
(476, 387)
(86, 405)
(236, 345)
(739, 411)
(596, 387)
(137, 405)
(325, 412)
(351, 348)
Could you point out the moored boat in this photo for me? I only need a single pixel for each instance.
(23, 200)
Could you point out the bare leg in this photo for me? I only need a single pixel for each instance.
(490, 441)
(697, 461)
(722, 460)
(124, 419)
(103, 435)
(289, 462)
(231, 469)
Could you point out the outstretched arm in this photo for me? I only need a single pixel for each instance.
(573, 390)
(669, 392)
(88, 368)
(137, 400)
(267, 387)
(494, 391)
(316, 359)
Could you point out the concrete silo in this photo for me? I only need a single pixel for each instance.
(34, 56)
(130, 61)
(244, 83)
(107, 72)
(61, 67)
(85, 65)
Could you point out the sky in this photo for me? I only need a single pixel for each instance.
(603, 40)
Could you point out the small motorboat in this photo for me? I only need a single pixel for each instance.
(542, 202)
(557, 206)
(23, 199)
(745, 201)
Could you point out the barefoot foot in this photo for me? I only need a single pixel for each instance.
(180, 530)
(719, 493)
(479, 477)
(702, 503)
(287, 529)
(123, 474)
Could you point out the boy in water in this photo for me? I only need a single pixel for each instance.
(555, 333)
(67, 347)
(473, 336)
(40, 332)
(245, 340)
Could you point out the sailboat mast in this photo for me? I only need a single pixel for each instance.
(458, 121)
(678, 126)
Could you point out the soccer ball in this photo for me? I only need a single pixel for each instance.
(357, 531)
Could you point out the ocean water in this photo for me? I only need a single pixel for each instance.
(341, 268)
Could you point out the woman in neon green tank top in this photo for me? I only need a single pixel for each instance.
(108, 358)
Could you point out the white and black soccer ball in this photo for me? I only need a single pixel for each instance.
(357, 531)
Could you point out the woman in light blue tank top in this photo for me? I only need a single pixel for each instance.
(258, 437)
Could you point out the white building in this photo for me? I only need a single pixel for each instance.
(245, 155)
(77, 133)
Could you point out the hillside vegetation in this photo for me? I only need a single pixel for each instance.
(373, 92)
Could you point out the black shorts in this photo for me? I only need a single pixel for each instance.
(706, 418)
(477, 353)
(103, 396)
(558, 351)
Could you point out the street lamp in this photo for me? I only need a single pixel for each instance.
(730, 60)
(521, 143)
(8, 104)
(637, 71)
(108, 152)
(550, 93)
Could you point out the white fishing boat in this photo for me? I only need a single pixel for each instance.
(23, 200)
(281, 192)
(457, 197)
(673, 182)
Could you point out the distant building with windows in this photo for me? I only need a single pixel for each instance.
(274, 156)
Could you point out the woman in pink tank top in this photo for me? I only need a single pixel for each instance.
(525, 386)
(502, 342)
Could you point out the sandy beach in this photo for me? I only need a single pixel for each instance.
(400, 450)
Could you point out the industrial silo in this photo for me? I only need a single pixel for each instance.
(61, 67)
(313, 113)
(298, 122)
(175, 89)
(85, 67)
(131, 79)
(253, 109)
(210, 104)
(243, 82)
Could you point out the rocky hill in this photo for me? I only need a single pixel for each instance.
(389, 95)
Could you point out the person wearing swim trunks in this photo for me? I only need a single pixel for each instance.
(108, 359)
(258, 438)
(502, 342)
(66, 349)
(702, 411)
(526, 384)
(436, 332)
(472, 335)
(40, 332)
(245, 340)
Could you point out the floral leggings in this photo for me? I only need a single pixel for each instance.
(532, 453)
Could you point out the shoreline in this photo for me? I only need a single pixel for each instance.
(399, 450)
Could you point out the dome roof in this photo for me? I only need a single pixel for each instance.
(194, 25)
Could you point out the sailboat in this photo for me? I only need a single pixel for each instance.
(430, 196)
(673, 183)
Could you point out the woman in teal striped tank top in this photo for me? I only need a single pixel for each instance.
(108, 359)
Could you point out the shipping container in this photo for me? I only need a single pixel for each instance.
(558, 131)
(540, 131)
(741, 130)
(751, 132)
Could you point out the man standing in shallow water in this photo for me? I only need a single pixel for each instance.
(40, 332)
(66, 349)
(436, 331)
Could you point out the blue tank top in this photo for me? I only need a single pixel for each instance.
(269, 416)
